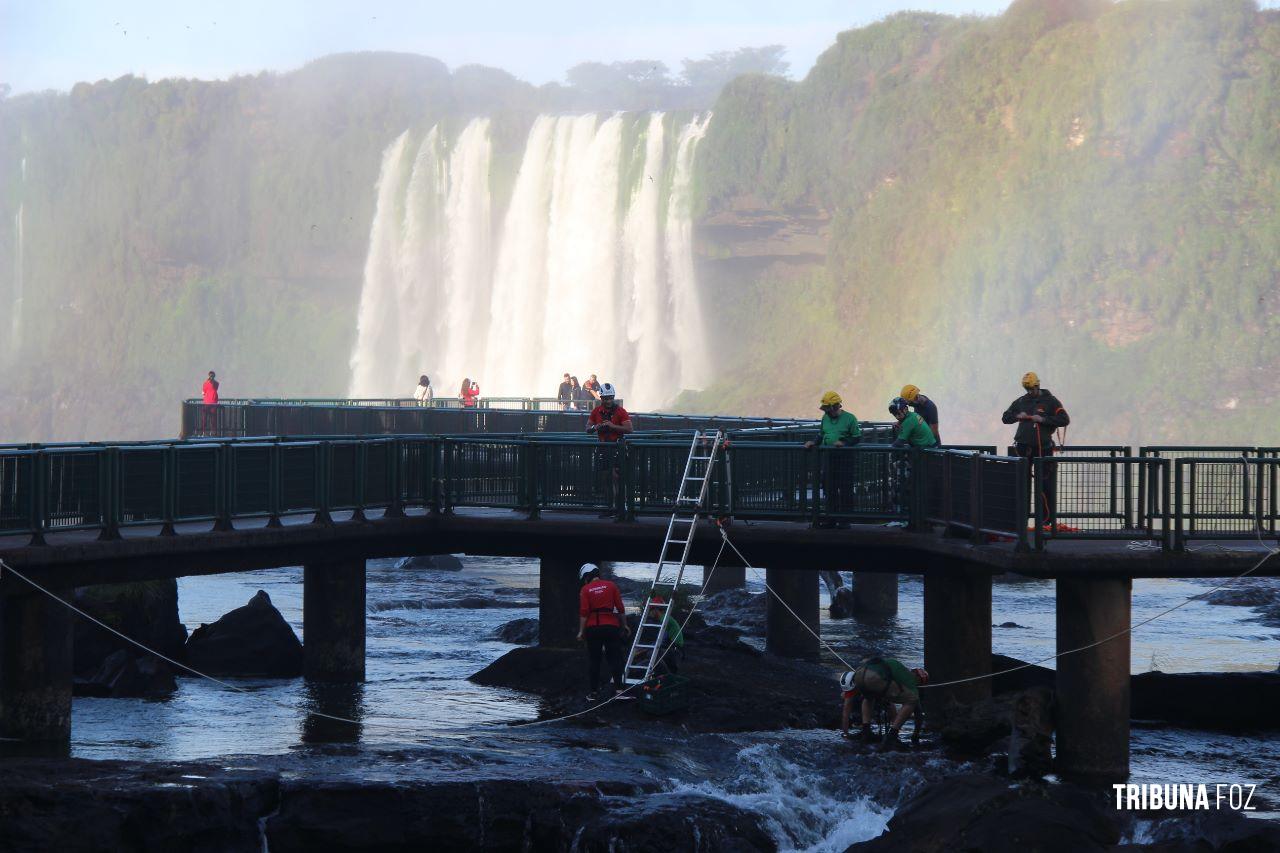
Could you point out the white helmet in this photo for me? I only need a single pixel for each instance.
(607, 390)
(846, 681)
(587, 568)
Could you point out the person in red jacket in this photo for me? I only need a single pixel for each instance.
(610, 422)
(602, 623)
(209, 397)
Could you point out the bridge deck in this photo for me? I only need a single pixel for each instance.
(79, 558)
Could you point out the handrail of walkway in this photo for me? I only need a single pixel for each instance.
(46, 489)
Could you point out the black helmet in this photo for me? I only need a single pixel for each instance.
(898, 405)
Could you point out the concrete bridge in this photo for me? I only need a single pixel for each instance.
(77, 515)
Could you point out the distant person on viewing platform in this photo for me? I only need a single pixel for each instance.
(468, 393)
(602, 624)
(1038, 413)
(580, 397)
(592, 387)
(209, 397)
(838, 428)
(565, 394)
(423, 393)
(610, 422)
(924, 407)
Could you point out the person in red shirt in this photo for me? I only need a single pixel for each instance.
(469, 392)
(602, 623)
(209, 396)
(610, 422)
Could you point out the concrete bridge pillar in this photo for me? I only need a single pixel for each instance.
(558, 601)
(785, 634)
(957, 635)
(333, 617)
(1093, 685)
(35, 667)
(730, 573)
(875, 593)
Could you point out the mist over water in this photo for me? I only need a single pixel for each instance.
(589, 269)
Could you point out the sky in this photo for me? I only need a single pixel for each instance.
(55, 44)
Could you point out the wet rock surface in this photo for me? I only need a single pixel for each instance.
(106, 665)
(736, 608)
(122, 675)
(431, 563)
(250, 640)
(522, 632)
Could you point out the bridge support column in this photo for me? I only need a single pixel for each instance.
(1093, 685)
(957, 635)
(784, 633)
(730, 573)
(558, 601)
(333, 617)
(875, 593)
(35, 667)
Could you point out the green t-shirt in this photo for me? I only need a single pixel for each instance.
(916, 432)
(901, 674)
(843, 428)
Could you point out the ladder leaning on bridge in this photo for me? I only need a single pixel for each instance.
(691, 499)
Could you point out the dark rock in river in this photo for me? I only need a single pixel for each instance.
(1220, 700)
(504, 815)
(124, 675)
(737, 608)
(250, 640)
(733, 687)
(432, 563)
(146, 612)
(975, 812)
(466, 602)
(522, 632)
(842, 603)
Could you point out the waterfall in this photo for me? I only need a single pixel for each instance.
(587, 268)
(15, 329)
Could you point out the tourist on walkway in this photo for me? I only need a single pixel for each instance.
(883, 681)
(423, 393)
(468, 393)
(610, 423)
(592, 387)
(602, 623)
(209, 397)
(1038, 413)
(581, 399)
(565, 394)
(924, 407)
(911, 429)
(838, 428)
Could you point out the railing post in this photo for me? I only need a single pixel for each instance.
(360, 470)
(1037, 507)
(273, 485)
(917, 483)
(1128, 496)
(168, 498)
(948, 499)
(395, 479)
(975, 499)
(108, 493)
(1020, 492)
(323, 453)
(1178, 541)
(623, 505)
(39, 462)
(223, 486)
(532, 468)
(442, 474)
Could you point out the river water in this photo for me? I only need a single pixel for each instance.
(418, 706)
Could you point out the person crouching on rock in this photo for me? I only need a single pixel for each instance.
(602, 622)
(887, 681)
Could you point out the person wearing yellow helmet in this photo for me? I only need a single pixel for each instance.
(924, 407)
(1038, 413)
(838, 428)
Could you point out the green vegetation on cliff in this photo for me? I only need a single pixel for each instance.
(1085, 189)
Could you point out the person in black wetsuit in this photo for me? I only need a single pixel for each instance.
(1038, 413)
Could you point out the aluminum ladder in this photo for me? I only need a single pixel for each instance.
(691, 500)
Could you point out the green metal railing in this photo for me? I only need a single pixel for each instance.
(52, 489)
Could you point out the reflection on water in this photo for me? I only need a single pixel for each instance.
(333, 713)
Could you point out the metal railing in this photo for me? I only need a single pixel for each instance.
(48, 489)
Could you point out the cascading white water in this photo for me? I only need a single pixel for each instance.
(588, 269)
(19, 239)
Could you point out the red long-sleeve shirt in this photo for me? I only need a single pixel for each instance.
(601, 603)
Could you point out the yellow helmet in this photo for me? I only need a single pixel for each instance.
(909, 393)
(831, 398)
(1030, 380)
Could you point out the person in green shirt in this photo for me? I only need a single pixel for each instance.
(883, 681)
(838, 428)
(912, 430)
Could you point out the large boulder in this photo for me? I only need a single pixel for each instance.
(431, 563)
(250, 640)
(146, 612)
(1230, 701)
(122, 674)
(521, 632)
(737, 608)
(975, 812)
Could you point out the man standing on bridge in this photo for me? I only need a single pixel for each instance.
(838, 428)
(1038, 413)
(610, 422)
(924, 407)
(209, 398)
